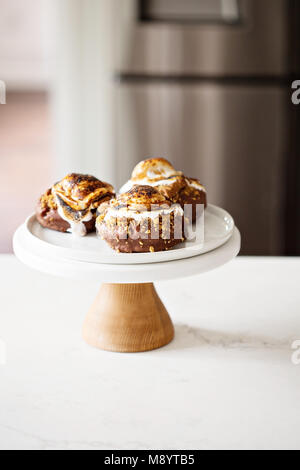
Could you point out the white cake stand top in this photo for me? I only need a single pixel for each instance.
(36, 257)
(214, 229)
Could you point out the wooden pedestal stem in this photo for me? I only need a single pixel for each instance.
(128, 318)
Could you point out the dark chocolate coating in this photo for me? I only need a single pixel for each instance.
(129, 245)
(191, 196)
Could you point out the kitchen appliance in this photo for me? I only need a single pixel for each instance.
(207, 84)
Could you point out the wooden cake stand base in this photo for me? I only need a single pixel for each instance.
(128, 318)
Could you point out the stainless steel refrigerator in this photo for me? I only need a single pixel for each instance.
(207, 84)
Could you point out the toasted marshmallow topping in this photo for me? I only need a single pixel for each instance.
(146, 182)
(159, 172)
(140, 216)
(139, 203)
(138, 196)
(152, 170)
(77, 196)
(77, 227)
(195, 184)
(126, 187)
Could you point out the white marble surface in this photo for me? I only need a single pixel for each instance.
(226, 382)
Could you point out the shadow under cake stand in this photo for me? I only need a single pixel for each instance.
(127, 315)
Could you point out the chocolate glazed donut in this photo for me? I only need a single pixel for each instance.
(159, 173)
(48, 216)
(130, 225)
(73, 203)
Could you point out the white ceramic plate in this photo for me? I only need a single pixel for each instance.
(31, 255)
(219, 227)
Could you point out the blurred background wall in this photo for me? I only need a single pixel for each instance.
(97, 85)
(26, 157)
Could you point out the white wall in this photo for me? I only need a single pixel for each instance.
(83, 87)
(25, 43)
(66, 47)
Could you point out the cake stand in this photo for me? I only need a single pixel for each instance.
(127, 315)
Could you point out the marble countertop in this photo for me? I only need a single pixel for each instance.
(227, 381)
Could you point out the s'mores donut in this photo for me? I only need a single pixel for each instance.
(174, 185)
(71, 204)
(141, 220)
